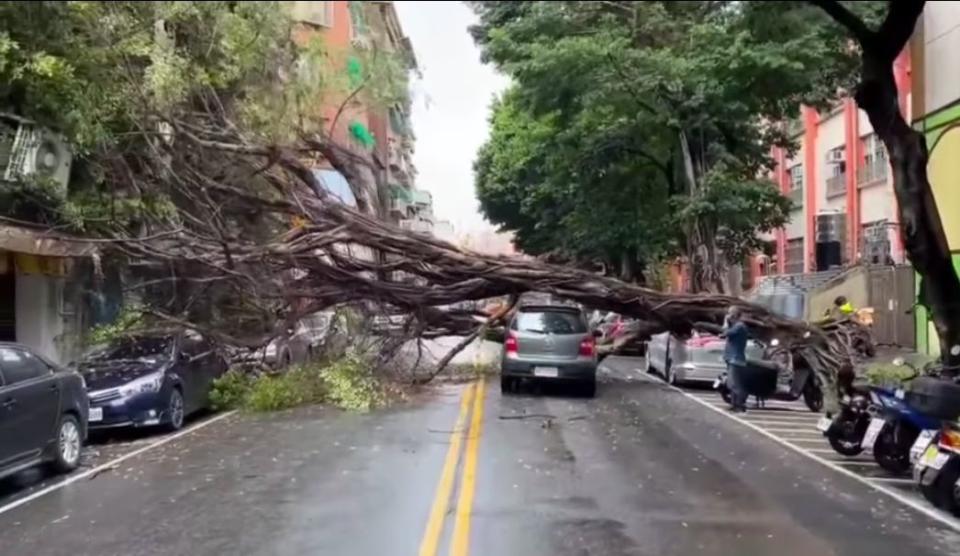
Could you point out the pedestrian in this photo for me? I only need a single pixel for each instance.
(842, 309)
(735, 355)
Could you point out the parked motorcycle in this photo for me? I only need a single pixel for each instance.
(775, 378)
(846, 430)
(907, 419)
(937, 469)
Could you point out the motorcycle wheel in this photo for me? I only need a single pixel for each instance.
(813, 396)
(888, 456)
(943, 493)
(845, 447)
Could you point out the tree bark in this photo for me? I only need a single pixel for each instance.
(920, 223)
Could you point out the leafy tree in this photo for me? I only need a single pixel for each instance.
(687, 89)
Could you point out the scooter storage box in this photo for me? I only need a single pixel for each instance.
(931, 396)
(759, 378)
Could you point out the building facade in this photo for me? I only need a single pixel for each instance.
(840, 181)
(936, 113)
(383, 136)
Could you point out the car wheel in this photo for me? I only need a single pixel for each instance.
(507, 385)
(175, 410)
(69, 443)
(813, 396)
(589, 388)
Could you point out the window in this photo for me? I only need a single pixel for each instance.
(316, 13)
(19, 366)
(796, 177)
(874, 150)
(550, 322)
(793, 258)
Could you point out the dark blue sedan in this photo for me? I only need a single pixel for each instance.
(150, 379)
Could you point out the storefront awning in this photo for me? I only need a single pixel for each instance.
(43, 243)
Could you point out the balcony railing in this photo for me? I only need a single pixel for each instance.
(837, 185)
(419, 226)
(874, 172)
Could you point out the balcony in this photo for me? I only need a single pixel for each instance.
(837, 185)
(418, 226)
(873, 172)
(422, 198)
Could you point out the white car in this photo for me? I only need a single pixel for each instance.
(697, 359)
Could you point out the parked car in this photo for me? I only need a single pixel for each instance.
(300, 344)
(150, 379)
(43, 412)
(549, 342)
(697, 359)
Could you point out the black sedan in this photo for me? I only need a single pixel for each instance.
(43, 412)
(150, 379)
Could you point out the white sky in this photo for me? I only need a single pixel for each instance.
(450, 106)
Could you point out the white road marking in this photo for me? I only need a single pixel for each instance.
(801, 432)
(896, 480)
(899, 497)
(855, 462)
(110, 464)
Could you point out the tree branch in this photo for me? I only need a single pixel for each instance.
(863, 35)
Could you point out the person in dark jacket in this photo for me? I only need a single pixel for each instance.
(735, 355)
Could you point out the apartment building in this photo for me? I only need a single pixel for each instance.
(381, 135)
(840, 181)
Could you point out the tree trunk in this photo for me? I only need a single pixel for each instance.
(920, 224)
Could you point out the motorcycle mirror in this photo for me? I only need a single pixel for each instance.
(899, 362)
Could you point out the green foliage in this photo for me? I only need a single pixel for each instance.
(890, 375)
(129, 319)
(585, 154)
(107, 74)
(350, 385)
(230, 391)
(347, 383)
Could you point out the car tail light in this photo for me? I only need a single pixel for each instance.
(511, 345)
(588, 346)
(950, 440)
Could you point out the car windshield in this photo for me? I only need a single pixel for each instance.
(136, 347)
(550, 322)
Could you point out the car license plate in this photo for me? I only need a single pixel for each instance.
(934, 459)
(546, 372)
(873, 431)
(823, 425)
(921, 444)
(96, 414)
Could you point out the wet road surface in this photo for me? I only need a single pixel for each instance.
(639, 470)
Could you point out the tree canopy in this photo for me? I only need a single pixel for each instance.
(638, 131)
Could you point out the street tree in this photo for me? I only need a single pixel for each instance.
(248, 227)
(685, 97)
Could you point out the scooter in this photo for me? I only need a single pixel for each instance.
(937, 469)
(897, 429)
(845, 432)
(775, 378)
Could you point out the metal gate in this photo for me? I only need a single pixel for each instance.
(892, 296)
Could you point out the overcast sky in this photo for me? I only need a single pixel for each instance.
(450, 106)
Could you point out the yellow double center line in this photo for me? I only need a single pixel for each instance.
(460, 541)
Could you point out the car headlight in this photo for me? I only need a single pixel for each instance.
(142, 385)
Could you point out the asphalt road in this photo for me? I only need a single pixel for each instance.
(640, 470)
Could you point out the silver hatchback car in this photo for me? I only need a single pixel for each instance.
(552, 343)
